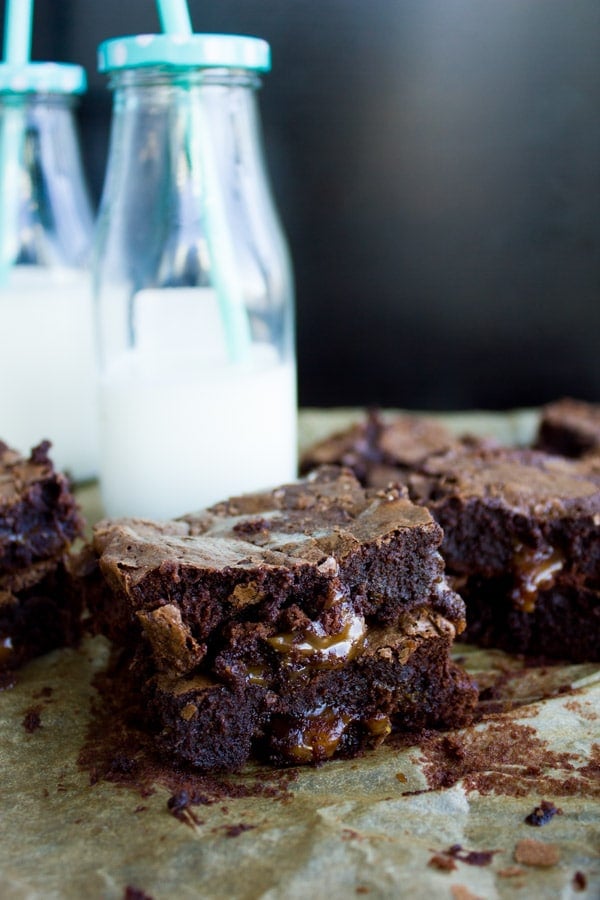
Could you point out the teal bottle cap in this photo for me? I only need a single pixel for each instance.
(184, 51)
(42, 78)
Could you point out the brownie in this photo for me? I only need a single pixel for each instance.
(382, 451)
(39, 519)
(570, 428)
(292, 625)
(522, 543)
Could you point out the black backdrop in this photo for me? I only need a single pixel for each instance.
(437, 167)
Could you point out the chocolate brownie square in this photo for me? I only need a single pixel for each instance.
(38, 521)
(569, 428)
(382, 451)
(292, 625)
(522, 542)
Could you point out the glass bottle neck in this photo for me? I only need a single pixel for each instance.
(46, 216)
(157, 77)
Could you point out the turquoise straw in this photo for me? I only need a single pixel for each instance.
(17, 51)
(17, 31)
(175, 19)
(174, 16)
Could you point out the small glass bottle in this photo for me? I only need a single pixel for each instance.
(47, 357)
(193, 282)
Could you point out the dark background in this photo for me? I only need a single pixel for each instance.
(437, 168)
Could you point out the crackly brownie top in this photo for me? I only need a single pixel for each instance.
(314, 522)
(38, 513)
(375, 445)
(530, 482)
(18, 474)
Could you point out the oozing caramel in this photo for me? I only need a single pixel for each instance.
(316, 736)
(314, 647)
(379, 726)
(534, 570)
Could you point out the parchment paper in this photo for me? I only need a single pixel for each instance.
(369, 826)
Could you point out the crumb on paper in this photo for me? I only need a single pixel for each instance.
(133, 893)
(510, 872)
(579, 881)
(32, 719)
(543, 813)
(536, 853)
(442, 862)
(471, 857)
(232, 831)
(460, 892)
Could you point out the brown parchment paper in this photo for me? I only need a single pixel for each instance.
(368, 826)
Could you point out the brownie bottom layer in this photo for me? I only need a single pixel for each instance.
(38, 619)
(563, 624)
(336, 713)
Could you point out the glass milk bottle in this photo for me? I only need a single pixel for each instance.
(193, 282)
(47, 357)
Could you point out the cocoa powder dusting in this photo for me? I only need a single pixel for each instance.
(506, 758)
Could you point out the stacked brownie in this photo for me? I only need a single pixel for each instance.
(293, 625)
(38, 521)
(569, 428)
(381, 451)
(522, 541)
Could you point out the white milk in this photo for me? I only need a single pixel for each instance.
(47, 366)
(177, 436)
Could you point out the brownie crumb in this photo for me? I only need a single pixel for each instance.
(133, 893)
(579, 881)
(232, 831)
(543, 813)
(460, 892)
(536, 853)
(32, 719)
(442, 862)
(471, 857)
(180, 806)
(510, 872)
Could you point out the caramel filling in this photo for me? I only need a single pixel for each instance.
(314, 647)
(317, 736)
(534, 570)
(379, 726)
